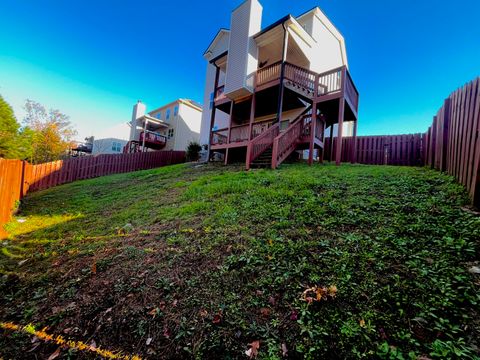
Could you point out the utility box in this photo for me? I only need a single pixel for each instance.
(246, 21)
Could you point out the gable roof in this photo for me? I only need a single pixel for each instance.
(320, 15)
(215, 40)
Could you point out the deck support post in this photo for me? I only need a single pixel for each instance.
(250, 127)
(322, 150)
(341, 111)
(353, 159)
(212, 115)
(282, 75)
(341, 114)
(313, 126)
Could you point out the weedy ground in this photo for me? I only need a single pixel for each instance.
(200, 262)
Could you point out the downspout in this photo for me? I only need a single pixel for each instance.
(282, 74)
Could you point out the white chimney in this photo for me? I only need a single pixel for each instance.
(138, 111)
(246, 21)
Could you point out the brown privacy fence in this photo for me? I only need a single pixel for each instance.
(453, 140)
(451, 144)
(405, 150)
(18, 177)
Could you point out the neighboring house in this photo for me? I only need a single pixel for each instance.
(278, 90)
(108, 146)
(169, 127)
(83, 148)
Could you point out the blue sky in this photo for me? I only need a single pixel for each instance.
(94, 59)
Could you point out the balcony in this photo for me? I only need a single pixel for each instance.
(332, 84)
(239, 134)
(153, 140)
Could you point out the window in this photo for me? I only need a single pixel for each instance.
(159, 116)
(167, 115)
(175, 111)
(116, 146)
(170, 133)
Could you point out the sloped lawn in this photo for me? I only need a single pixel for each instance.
(211, 262)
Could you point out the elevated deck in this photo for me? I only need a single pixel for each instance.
(331, 97)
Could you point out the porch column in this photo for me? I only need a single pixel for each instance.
(212, 114)
(250, 127)
(313, 126)
(282, 75)
(322, 151)
(232, 103)
(341, 111)
(354, 145)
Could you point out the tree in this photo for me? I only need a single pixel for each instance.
(193, 151)
(15, 142)
(52, 133)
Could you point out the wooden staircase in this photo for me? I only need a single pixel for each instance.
(264, 160)
(273, 147)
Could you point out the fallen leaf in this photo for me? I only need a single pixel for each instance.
(332, 291)
(265, 312)
(362, 323)
(166, 332)
(203, 313)
(253, 351)
(153, 312)
(217, 319)
(54, 355)
(94, 267)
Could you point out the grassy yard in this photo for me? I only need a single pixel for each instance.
(203, 262)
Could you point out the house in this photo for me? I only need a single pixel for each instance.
(169, 127)
(108, 146)
(278, 90)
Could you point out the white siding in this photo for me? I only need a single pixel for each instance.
(243, 52)
(186, 127)
(327, 53)
(105, 146)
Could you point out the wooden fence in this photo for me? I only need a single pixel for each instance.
(407, 150)
(451, 144)
(19, 177)
(10, 189)
(453, 140)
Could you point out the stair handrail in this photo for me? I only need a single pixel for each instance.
(261, 143)
(286, 141)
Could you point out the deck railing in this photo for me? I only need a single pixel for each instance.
(351, 92)
(268, 73)
(219, 137)
(153, 137)
(261, 143)
(261, 126)
(239, 133)
(326, 83)
(301, 76)
(286, 141)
